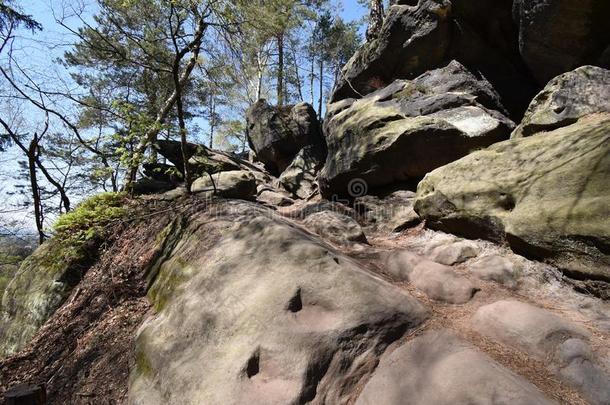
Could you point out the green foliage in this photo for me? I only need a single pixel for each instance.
(82, 229)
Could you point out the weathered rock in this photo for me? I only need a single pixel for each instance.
(438, 281)
(277, 134)
(231, 184)
(409, 128)
(566, 99)
(496, 268)
(162, 172)
(39, 287)
(313, 207)
(437, 368)
(393, 212)
(336, 227)
(147, 185)
(453, 253)
(427, 34)
(274, 198)
(556, 36)
(299, 178)
(546, 195)
(545, 335)
(268, 315)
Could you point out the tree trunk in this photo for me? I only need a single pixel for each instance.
(375, 19)
(297, 74)
(38, 213)
(280, 69)
(321, 87)
(312, 78)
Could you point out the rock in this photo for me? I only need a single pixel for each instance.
(545, 195)
(545, 335)
(557, 36)
(336, 227)
(393, 212)
(496, 268)
(438, 281)
(162, 172)
(409, 128)
(39, 287)
(453, 253)
(277, 134)
(437, 368)
(425, 35)
(266, 315)
(299, 178)
(525, 327)
(566, 99)
(274, 198)
(146, 185)
(231, 184)
(313, 207)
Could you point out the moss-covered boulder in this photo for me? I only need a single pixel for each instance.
(45, 279)
(546, 195)
(566, 99)
(410, 128)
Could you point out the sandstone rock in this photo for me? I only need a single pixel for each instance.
(274, 198)
(299, 178)
(147, 185)
(162, 172)
(313, 207)
(437, 368)
(37, 289)
(557, 36)
(566, 99)
(231, 184)
(496, 268)
(453, 253)
(438, 281)
(392, 213)
(424, 35)
(545, 335)
(268, 315)
(546, 195)
(409, 128)
(336, 227)
(277, 134)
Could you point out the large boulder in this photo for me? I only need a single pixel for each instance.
(423, 35)
(546, 195)
(409, 128)
(556, 36)
(566, 99)
(266, 315)
(277, 134)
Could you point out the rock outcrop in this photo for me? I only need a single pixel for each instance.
(546, 195)
(269, 315)
(409, 128)
(566, 99)
(277, 134)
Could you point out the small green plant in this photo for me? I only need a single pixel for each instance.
(80, 231)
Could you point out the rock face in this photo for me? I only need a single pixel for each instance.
(545, 195)
(438, 368)
(277, 134)
(270, 316)
(336, 227)
(566, 99)
(559, 35)
(425, 35)
(410, 128)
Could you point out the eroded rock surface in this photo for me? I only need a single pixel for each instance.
(438, 368)
(272, 316)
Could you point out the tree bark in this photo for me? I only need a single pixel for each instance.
(376, 14)
(280, 69)
(38, 213)
(321, 87)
